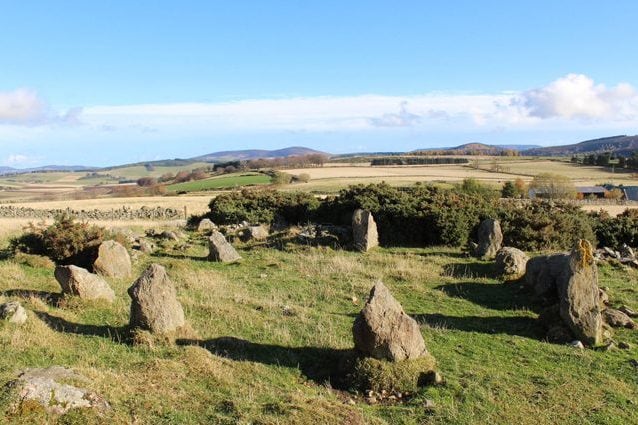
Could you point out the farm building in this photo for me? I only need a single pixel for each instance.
(581, 192)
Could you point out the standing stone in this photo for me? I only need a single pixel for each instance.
(382, 330)
(80, 282)
(13, 312)
(364, 230)
(205, 225)
(490, 238)
(220, 250)
(112, 260)
(50, 388)
(579, 297)
(511, 263)
(543, 273)
(154, 305)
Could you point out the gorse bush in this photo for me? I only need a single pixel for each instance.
(539, 225)
(615, 231)
(262, 207)
(421, 215)
(65, 241)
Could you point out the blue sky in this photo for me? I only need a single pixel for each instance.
(101, 83)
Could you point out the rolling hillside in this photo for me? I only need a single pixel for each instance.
(620, 145)
(256, 154)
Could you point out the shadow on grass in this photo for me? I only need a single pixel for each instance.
(495, 296)
(521, 326)
(470, 270)
(179, 256)
(118, 334)
(321, 365)
(442, 254)
(50, 298)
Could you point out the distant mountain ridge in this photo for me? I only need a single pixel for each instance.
(619, 145)
(11, 170)
(477, 148)
(256, 154)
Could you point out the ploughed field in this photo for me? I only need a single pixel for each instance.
(288, 310)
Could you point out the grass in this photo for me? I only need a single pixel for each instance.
(248, 362)
(221, 182)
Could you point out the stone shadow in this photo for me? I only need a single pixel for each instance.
(50, 298)
(495, 296)
(470, 270)
(528, 327)
(119, 334)
(319, 364)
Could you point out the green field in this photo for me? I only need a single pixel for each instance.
(266, 332)
(221, 182)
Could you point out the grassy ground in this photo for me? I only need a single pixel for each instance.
(484, 335)
(221, 182)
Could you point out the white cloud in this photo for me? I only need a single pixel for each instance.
(21, 106)
(16, 159)
(578, 96)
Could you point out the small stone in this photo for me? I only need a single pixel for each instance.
(624, 345)
(609, 347)
(351, 402)
(633, 362)
(354, 300)
(369, 393)
(47, 387)
(392, 397)
(428, 405)
(288, 311)
(13, 312)
(576, 344)
(618, 319)
(371, 400)
(263, 276)
(628, 311)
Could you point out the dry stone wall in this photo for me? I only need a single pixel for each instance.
(124, 213)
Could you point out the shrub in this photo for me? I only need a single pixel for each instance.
(262, 207)
(65, 241)
(542, 225)
(614, 231)
(146, 181)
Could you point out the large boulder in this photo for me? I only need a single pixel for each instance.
(543, 273)
(112, 260)
(13, 312)
(220, 250)
(364, 230)
(490, 238)
(578, 295)
(154, 305)
(383, 331)
(511, 263)
(50, 388)
(82, 283)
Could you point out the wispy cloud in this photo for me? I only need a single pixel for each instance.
(572, 101)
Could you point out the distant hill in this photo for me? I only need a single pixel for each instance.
(45, 168)
(620, 145)
(256, 154)
(470, 149)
